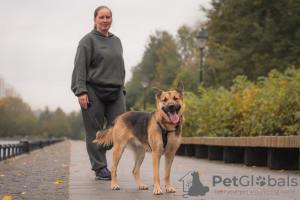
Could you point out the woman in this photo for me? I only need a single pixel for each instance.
(97, 81)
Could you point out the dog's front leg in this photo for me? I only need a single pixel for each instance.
(155, 162)
(169, 157)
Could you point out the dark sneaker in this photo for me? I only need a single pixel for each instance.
(103, 174)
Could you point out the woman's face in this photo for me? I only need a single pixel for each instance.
(103, 20)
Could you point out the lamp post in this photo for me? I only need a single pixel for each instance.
(202, 39)
(145, 83)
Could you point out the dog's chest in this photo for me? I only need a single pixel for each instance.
(173, 142)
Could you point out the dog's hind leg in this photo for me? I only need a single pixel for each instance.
(119, 145)
(169, 157)
(139, 155)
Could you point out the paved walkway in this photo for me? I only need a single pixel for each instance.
(84, 186)
(44, 173)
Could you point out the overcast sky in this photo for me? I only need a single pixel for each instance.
(39, 39)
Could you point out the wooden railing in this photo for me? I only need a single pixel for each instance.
(275, 152)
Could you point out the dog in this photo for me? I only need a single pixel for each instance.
(158, 132)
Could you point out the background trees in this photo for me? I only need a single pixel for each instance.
(251, 38)
(17, 119)
(247, 38)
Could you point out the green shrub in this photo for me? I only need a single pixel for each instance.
(269, 107)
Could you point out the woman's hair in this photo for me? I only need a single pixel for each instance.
(96, 13)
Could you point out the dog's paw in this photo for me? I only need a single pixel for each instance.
(157, 191)
(115, 187)
(143, 187)
(170, 189)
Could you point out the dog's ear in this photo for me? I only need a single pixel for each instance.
(180, 87)
(158, 92)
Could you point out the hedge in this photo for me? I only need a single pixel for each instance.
(266, 108)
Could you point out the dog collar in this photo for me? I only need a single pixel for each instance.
(167, 122)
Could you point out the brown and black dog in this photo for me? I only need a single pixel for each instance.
(158, 132)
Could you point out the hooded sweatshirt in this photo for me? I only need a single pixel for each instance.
(99, 61)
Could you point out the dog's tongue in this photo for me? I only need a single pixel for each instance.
(174, 117)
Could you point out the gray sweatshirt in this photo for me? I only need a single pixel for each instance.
(99, 60)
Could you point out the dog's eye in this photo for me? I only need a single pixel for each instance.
(175, 98)
(165, 100)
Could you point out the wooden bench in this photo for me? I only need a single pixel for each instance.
(275, 152)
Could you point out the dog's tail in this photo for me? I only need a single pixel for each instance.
(105, 136)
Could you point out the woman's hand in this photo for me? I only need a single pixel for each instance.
(83, 100)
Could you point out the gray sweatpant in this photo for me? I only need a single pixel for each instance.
(93, 120)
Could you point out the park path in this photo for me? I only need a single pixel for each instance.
(84, 186)
(62, 171)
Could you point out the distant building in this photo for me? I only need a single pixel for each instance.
(10, 91)
(7, 90)
(2, 87)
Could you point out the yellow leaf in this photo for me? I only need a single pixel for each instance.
(57, 153)
(24, 193)
(7, 198)
(59, 181)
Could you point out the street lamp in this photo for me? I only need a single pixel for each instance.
(145, 83)
(202, 39)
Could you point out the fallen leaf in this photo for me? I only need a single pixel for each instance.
(254, 166)
(57, 153)
(19, 174)
(7, 198)
(59, 181)
(24, 193)
(2, 175)
(177, 194)
(246, 170)
(66, 165)
(244, 166)
(55, 160)
(76, 171)
(200, 174)
(281, 171)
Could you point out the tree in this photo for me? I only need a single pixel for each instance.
(16, 118)
(59, 125)
(75, 120)
(160, 63)
(189, 58)
(251, 37)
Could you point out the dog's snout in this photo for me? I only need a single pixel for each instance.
(171, 106)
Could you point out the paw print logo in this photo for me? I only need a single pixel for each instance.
(261, 181)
